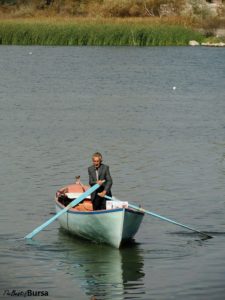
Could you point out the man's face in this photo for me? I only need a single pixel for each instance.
(96, 161)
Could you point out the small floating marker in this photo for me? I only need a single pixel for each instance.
(174, 88)
(30, 53)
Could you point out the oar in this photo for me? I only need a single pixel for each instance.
(71, 204)
(161, 217)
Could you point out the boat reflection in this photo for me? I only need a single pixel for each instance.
(104, 272)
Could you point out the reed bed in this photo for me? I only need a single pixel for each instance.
(96, 33)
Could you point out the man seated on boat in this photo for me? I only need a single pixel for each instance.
(99, 173)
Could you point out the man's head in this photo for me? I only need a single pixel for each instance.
(97, 159)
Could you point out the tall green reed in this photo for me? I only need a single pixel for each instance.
(96, 34)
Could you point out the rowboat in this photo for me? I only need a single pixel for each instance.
(113, 226)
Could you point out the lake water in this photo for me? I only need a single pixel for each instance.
(166, 151)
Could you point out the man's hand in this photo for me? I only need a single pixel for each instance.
(102, 194)
(100, 182)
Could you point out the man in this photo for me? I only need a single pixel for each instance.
(99, 173)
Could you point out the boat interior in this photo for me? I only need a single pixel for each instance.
(67, 194)
(85, 205)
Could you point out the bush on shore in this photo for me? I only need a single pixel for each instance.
(102, 8)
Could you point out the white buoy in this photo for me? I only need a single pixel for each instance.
(30, 53)
(174, 88)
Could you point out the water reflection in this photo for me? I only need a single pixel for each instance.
(104, 272)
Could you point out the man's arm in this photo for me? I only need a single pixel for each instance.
(92, 180)
(108, 180)
(108, 183)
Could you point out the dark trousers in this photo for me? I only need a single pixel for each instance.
(99, 203)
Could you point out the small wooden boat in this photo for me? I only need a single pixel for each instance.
(111, 226)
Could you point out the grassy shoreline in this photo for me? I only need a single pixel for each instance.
(92, 32)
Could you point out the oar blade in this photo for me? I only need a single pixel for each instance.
(71, 204)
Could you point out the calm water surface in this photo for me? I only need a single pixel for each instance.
(166, 151)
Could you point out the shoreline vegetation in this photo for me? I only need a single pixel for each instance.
(102, 32)
(119, 23)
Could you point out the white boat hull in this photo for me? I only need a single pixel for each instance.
(112, 227)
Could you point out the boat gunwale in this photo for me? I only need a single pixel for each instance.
(72, 211)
